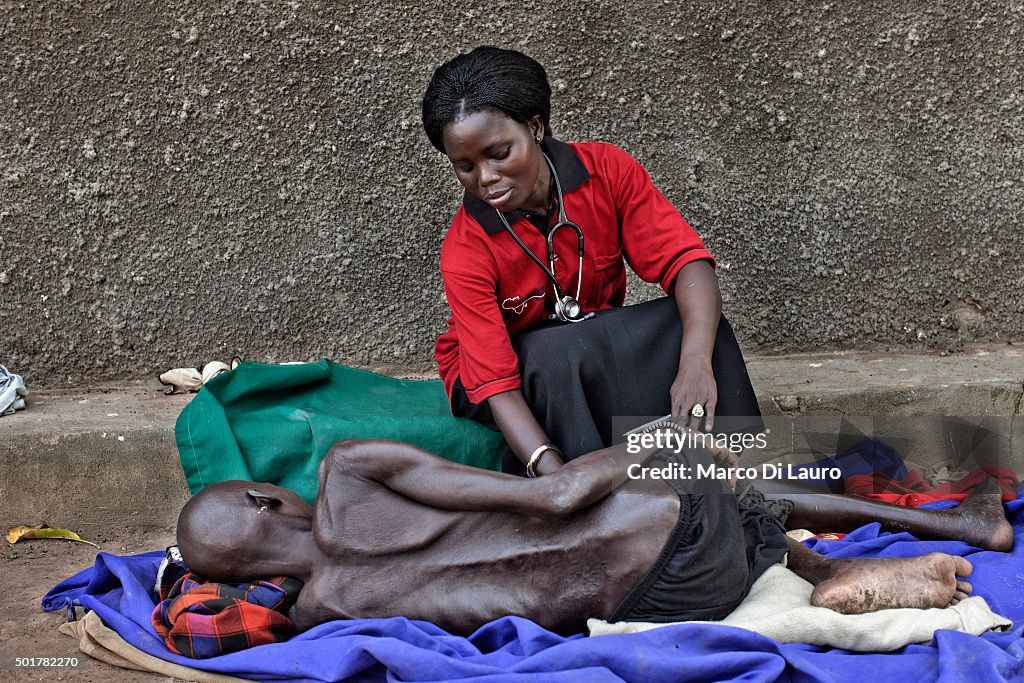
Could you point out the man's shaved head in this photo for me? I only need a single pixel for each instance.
(233, 530)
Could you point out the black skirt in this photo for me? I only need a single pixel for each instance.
(589, 382)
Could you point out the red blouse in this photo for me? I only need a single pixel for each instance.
(495, 290)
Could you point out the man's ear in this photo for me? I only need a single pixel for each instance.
(262, 499)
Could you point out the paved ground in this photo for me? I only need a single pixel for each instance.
(102, 461)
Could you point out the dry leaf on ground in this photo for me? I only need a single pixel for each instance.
(19, 533)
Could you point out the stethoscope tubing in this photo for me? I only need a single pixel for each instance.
(562, 222)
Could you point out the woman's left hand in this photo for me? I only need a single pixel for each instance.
(700, 310)
(695, 384)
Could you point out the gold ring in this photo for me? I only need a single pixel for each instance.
(697, 410)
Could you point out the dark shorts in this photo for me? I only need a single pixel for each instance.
(589, 382)
(719, 547)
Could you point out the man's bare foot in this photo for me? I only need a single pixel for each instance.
(856, 586)
(980, 520)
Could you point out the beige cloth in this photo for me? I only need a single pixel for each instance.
(104, 644)
(779, 606)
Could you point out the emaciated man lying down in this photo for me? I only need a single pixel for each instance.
(398, 531)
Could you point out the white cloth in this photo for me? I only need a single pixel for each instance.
(12, 392)
(779, 606)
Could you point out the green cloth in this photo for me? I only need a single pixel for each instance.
(275, 423)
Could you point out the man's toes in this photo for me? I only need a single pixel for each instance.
(963, 587)
(963, 567)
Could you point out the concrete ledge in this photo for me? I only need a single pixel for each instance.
(92, 459)
(984, 380)
(104, 458)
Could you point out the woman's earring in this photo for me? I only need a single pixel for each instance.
(538, 139)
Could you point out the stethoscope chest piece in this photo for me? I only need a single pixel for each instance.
(568, 309)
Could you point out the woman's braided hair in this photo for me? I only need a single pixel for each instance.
(486, 78)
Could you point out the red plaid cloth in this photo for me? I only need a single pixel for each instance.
(912, 490)
(200, 619)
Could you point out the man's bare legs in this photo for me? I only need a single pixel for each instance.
(979, 520)
(859, 585)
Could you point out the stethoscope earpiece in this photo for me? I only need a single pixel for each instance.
(567, 308)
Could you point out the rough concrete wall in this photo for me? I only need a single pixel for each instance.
(185, 181)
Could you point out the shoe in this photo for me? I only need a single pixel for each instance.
(181, 379)
(191, 379)
(212, 369)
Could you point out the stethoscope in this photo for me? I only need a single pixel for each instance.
(567, 308)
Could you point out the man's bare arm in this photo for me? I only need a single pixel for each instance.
(445, 485)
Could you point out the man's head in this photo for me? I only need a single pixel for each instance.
(237, 530)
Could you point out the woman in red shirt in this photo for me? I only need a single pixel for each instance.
(539, 344)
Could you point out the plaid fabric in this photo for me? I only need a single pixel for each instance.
(201, 619)
(912, 490)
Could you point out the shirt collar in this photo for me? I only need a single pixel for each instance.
(571, 174)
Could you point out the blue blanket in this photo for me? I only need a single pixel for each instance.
(119, 589)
